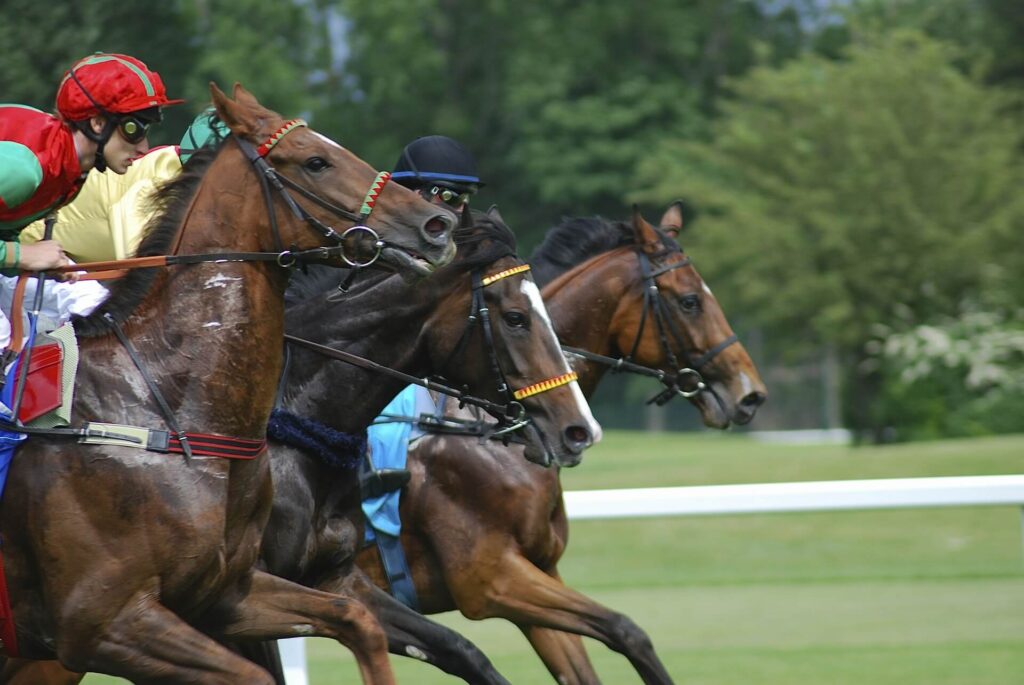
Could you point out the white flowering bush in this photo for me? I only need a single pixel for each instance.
(962, 376)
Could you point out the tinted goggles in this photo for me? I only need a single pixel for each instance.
(448, 196)
(133, 129)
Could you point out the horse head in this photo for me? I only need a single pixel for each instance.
(671, 321)
(331, 184)
(509, 348)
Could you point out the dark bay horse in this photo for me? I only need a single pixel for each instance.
(483, 529)
(126, 561)
(315, 529)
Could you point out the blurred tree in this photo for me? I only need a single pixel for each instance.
(51, 36)
(558, 100)
(275, 49)
(880, 189)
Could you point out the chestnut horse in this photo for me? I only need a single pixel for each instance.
(483, 529)
(129, 562)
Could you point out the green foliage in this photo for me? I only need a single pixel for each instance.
(840, 195)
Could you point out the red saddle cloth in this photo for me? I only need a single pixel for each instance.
(8, 640)
(43, 385)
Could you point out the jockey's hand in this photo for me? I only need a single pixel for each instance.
(46, 254)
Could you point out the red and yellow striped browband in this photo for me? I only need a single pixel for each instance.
(487, 280)
(277, 135)
(544, 386)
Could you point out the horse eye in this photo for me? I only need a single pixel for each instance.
(316, 164)
(515, 319)
(690, 303)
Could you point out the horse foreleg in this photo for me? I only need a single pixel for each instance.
(24, 672)
(147, 643)
(527, 596)
(413, 635)
(563, 654)
(278, 608)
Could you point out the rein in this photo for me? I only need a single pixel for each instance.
(513, 411)
(685, 381)
(512, 414)
(176, 440)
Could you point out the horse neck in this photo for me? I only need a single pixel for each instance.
(387, 323)
(582, 304)
(212, 333)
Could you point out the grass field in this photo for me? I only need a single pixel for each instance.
(911, 597)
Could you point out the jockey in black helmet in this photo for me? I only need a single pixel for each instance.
(440, 169)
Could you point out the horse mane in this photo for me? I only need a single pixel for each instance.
(487, 240)
(579, 239)
(170, 200)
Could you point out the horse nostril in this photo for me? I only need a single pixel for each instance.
(753, 400)
(577, 438)
(437, 225)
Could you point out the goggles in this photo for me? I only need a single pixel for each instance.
(448, 196)
(133, 129)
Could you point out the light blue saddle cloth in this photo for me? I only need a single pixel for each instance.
(389, 449)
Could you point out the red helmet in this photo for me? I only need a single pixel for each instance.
(109, 83)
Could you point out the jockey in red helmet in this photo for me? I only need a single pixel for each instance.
(106, 103)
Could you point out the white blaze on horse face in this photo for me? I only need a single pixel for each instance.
(706, 288)
(748, 387)
(326, 139)
(529, 288)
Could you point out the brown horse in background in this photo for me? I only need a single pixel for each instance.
(126, 561)
(483, 529)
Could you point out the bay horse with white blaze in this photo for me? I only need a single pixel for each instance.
(126, 561)
(483, 530)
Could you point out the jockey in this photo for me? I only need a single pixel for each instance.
(107, 219)
(443, 171)
(106, 104)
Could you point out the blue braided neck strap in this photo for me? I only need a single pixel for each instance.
(334, 448)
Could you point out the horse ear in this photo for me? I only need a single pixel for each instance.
(232, 112)
(465, 217)
(672, 220)
(495, 214)
(644, 233)
(679, 215)
(244, 96)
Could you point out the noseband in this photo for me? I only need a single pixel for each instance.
(685, 381)
(271, 178)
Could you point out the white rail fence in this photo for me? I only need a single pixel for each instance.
(762, 498)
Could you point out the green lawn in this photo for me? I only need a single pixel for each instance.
(904, 597)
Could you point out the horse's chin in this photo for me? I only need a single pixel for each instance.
(712, 409)
(539, 452)
(409, 265)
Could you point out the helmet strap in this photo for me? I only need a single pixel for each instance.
(85, 126)
(100, 138)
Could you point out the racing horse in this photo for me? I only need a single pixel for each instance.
(128, 548)
(483, 529)
(305, 539)
(315, 528)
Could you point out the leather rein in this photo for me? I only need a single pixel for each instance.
(176, 440)
(511, 415)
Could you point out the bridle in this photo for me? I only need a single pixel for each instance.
(685, 381)
(511, 415)
(480, 313)
(271, 178)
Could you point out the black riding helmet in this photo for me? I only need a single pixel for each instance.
(437, 160)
